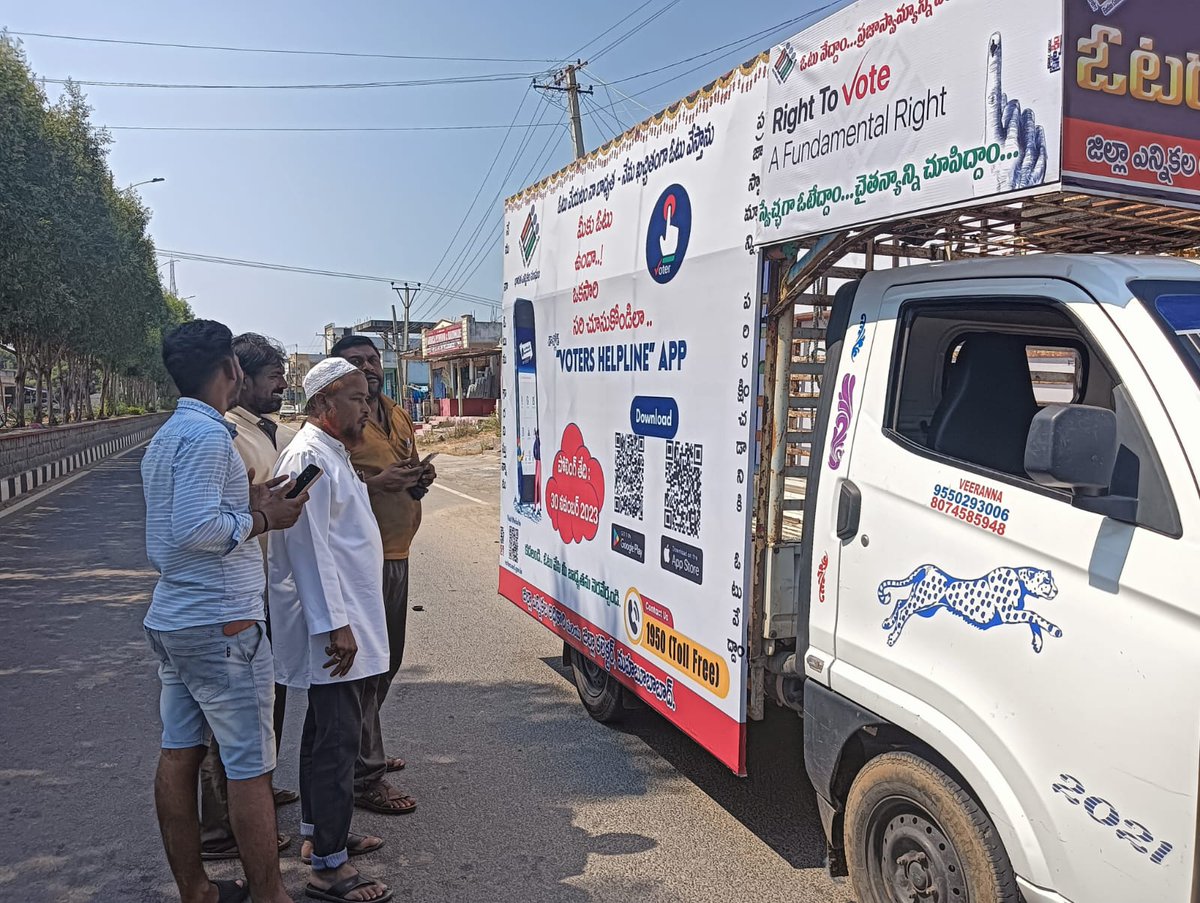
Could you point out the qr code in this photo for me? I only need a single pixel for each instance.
(630, 467)
(513, 534)
(681, 505)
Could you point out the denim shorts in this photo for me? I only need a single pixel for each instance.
(223, 683)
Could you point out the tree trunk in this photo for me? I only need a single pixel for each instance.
(38, 407)
(48, 381)
(104, 389)
(89, 370)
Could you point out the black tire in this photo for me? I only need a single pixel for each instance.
(914, 835)
(599, 693)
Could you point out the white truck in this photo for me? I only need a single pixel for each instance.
(955, 463)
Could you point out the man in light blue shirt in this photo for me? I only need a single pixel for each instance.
(206, 619)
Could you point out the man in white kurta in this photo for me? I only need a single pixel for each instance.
(327, 615)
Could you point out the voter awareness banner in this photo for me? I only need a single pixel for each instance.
(887, 110)
(1133, 98)
(630, 305)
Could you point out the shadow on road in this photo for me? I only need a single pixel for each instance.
(776, 802)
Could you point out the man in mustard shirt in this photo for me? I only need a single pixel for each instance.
(387, 461)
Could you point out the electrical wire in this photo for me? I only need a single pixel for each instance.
(633, 31)
(498, 232)
(606, 31)
(741, 46)
(398, 128)
(599, 115)
(409, 83)
(483, 183)
(459, 263)
(282, 50)
(311, 271)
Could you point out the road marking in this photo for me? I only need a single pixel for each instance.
(63, 484)
(463, 495)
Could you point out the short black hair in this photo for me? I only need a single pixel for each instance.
(256, 352)
(346, 342)
(194, 351)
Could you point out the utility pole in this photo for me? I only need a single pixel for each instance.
(174, 291)
(402, 347)
(564, 80)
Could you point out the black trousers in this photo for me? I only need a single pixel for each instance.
(372, 762)
(328, 751)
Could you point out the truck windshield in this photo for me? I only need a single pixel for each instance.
(1176, 306)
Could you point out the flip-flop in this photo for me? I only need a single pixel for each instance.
(336, 893)
(378, 799)
(354, 846)
(233, 852)
(395, 763)
(231, 892)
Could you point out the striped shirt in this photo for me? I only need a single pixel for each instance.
(197, 521)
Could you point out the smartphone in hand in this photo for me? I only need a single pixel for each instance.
(307, 477)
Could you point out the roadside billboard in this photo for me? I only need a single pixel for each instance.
(446, 340)
(630, 343)
(1132, 98)
(886, 110)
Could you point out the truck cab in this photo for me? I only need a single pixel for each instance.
(1001, 667)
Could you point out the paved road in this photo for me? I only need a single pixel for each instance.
(523, 798)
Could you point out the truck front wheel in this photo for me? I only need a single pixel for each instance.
(914, 835)
(599, 693)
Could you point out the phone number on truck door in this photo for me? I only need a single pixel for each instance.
(970, 509)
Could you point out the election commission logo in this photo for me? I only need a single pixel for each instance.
(668, 234)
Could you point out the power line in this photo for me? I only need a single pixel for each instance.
(608, 30)
(459, 264)
(625, 97)
(740, 46)
(541, 160)
(409, 83)
(599, 116)
(482, 254)
(282, 50)
(617, 42)
(309, 271)
(399, 128)
(517, 115)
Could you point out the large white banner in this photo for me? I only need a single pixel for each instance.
(628, 406)
(886, 110)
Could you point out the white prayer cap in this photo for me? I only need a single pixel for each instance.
(327, 371)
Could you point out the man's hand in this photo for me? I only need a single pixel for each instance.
(268, 498)
(341, 650)
(1022, 141)
(428, 475)
(396, 478)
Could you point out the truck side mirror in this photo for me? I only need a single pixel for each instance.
(1074, 447)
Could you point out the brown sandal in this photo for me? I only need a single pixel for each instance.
(380, 799)
(395, 763)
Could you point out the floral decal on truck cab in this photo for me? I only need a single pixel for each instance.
(841, 426)
(989, 601)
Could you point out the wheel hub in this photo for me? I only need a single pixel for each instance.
(919, 863)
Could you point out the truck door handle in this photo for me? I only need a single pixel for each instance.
(849, 510)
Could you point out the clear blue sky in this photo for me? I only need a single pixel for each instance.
(378, 203)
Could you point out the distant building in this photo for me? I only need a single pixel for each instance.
(381, 334)
(298, 365)
(464, 358)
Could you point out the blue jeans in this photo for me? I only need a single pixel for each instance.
(223, 683)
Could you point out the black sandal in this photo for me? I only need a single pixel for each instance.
(233, 852)
(355, 846)
(231, 892)
(336, 893)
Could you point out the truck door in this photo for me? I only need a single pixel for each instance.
(1049, 653)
